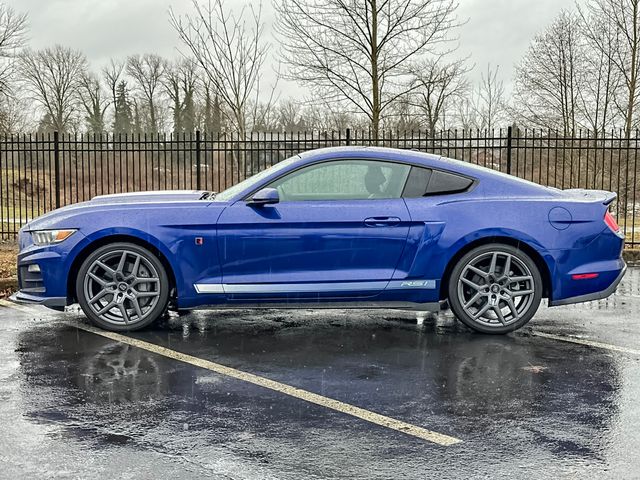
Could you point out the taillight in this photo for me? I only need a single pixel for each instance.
(611, 222)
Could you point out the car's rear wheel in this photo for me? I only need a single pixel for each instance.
(122, 287)
(495, 288)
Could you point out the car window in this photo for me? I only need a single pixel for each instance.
(247, 183)
(417, 182)
(344, 180)
(424, 181)
(447, 182)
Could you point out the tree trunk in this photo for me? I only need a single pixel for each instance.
(628, 123)
(152, 117)
(375, 81)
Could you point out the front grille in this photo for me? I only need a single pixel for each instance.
(30, 282)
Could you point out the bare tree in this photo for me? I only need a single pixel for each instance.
(490, 101)
(549, 77)
(603, 81)
(328, 117)
(111, 75)
(212, 120)
(94, 102)
(148, 71)
(358, 51)
(13, 28)
(14, 115)
(180, 83)
(231, 50)
(291, 115)
(466, 113)
(266, 118)
(52, 76)
(404, 116)
(613, 29)
(438, 86)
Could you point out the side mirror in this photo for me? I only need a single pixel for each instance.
(264, 197)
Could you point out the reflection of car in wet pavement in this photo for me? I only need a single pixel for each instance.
(350, 227)
(121, 373)
(449, 381)
(521, 405)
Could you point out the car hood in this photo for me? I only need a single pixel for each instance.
(120, 200)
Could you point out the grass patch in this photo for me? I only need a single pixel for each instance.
(8, 252)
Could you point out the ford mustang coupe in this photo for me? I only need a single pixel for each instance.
(349, 227)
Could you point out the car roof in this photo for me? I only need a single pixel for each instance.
(428, 160)
(371, 152)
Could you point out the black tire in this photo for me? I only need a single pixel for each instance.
(147, 287)
(502, 295)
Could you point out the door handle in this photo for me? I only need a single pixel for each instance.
(381, 221)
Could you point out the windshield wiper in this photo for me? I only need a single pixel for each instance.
(208, 195)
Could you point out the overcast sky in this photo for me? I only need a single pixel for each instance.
(497, 31)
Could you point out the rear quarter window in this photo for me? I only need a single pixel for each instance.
(446, 182)
(424, 181)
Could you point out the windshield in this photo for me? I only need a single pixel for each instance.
(253, 180)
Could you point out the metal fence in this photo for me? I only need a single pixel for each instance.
(40, 172)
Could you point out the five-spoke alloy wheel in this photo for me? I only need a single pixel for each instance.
(122, 286)
(495, 288)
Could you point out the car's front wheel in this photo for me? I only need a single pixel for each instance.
(122, 287)
(495, 288)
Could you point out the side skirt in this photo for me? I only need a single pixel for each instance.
(419, 307)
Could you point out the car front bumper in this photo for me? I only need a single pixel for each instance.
(43, 271)
(56, 303)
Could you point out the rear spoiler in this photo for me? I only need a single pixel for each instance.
(611, 196)
(591, 195)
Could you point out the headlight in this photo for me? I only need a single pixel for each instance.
(49, 237)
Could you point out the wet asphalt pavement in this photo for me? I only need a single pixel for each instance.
(74, 404)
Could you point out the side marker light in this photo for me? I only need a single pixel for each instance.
(584, 276)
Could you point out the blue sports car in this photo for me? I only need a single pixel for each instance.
(349, 227)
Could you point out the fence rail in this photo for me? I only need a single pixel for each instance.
(40, 172)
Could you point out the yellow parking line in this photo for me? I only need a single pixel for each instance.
(299, 393)
(589, 343)
(336, 405)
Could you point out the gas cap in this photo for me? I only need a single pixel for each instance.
(560, 218)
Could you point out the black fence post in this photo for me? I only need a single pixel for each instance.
(348, 137)
(509, 140)
(56, 161)
(198, 175)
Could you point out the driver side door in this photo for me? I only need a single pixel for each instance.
(338, 231)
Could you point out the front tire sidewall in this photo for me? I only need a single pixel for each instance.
(157, 310)
(460, 312)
